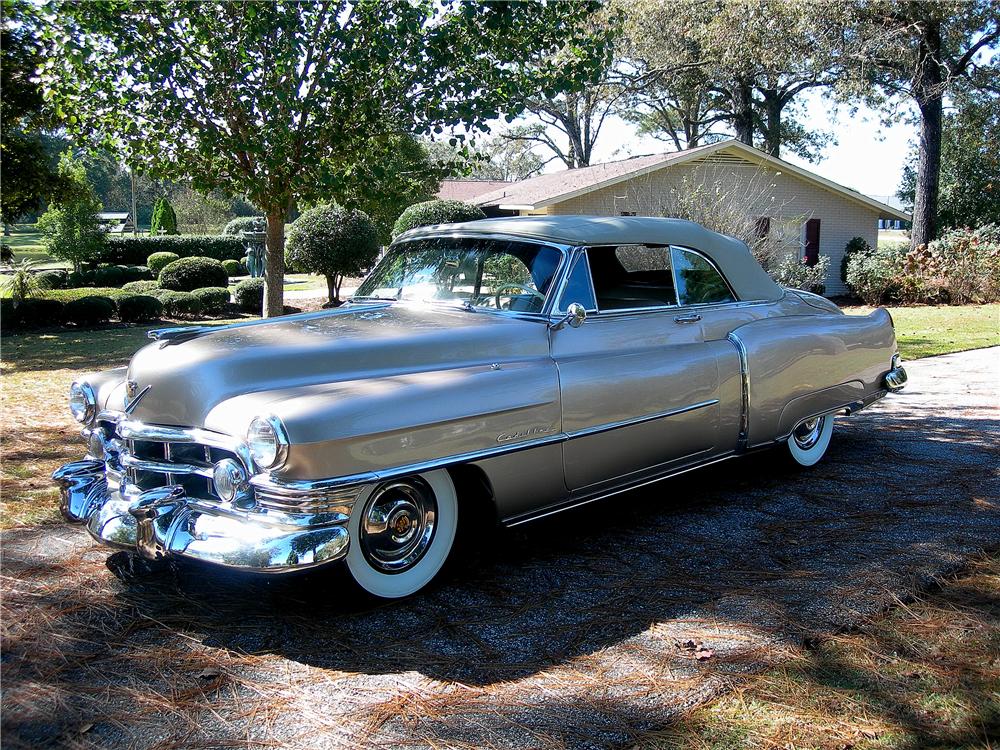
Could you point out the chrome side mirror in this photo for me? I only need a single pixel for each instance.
(574, 317)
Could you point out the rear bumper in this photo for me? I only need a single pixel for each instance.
(165, 522)
(895, 379)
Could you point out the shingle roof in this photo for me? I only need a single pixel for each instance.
(464, 190)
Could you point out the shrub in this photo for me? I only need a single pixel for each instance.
(23, 283)
(793, 272)
(109, 276)
(70, 225)
(8, 314)
(68, 295)
(89, 310)
(164, 218)
(140, 287)
(137, 273)
(436, 212)
(40, 311)
(874, 275)
(54, 279)
(234, 267)
(854, 245)
(249, 295)
(245, 224)
(214, 299)
(332, 241)
(6, 253)
(134, 308)
(158, 261)
(179, 304)
(967, 261)
(128, 250)
(188, 274)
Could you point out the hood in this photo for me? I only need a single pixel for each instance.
(189, 378)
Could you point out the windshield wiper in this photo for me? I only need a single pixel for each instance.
(372, 298)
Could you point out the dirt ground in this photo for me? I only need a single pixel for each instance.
(589, 629)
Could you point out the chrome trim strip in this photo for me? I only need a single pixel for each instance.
(602, 495)
(741, 350)
(163, 467)
(851, 407)
(268, 483)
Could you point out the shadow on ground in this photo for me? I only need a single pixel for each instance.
(585, 629)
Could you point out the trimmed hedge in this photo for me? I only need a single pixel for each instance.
(214, 299)
(179, 304)
(134, 250)
(39, 311)
(249, 295)
(188, 274)
(158, 261)
(234, 267)
(245, 224)
(89, 310)
(436, 212)
(54, 279)
(109, 276)
(141, 287)
(135, 308)
(69, 295)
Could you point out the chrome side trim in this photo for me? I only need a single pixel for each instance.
(744, 435)
(604, 494)
(852, 407)
(270, 484)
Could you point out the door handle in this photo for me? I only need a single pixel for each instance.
(689, 318)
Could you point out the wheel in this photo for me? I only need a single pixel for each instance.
(810, 439)
(402, 533)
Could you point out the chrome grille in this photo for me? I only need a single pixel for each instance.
(155, 463)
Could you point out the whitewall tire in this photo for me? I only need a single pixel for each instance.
(810, 439)
(402, 531)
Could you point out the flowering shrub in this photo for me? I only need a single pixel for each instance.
(797, 274)
(962, 266)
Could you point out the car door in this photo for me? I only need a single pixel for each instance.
(639, 385)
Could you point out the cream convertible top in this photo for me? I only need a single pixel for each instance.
(748, 279)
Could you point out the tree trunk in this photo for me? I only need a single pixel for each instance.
(772, 122)
(743, 111)
(929, 93)
(332, 293)
(274, 265)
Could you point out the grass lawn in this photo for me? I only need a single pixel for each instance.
(925, 331)
(924, 675)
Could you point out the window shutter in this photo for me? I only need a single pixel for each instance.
(763, 227)
(812, 242)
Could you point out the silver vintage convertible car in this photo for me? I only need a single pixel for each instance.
(537, 362)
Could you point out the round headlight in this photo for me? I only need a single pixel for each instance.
(267, 442)
(82, 402)
(229, 479)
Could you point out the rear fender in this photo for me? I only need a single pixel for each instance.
(798, 367)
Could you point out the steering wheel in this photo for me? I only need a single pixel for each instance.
(501, 292)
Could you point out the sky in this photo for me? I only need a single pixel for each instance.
(865, 155)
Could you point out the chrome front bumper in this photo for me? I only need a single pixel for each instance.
(165, 522)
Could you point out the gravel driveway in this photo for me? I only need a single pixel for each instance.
(582, 630)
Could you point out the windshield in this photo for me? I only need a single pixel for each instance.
(480, 273)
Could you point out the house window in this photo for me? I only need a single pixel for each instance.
(787, 238)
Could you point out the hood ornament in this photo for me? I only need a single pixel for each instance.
(133, 395)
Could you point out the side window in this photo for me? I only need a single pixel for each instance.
(629, 277)
(578, 287)
(698, 283)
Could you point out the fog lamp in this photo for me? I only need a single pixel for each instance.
(229, 479)
(96, 445)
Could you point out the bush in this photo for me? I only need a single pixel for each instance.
(214, 299)
(249, 295)
(163, 218)
(179, 304)
(874, 275)
(158, 261)
(855, 245)
(188, 274)
(54, 279)
(245, 224)
(966, 262)
(70, 225)
(792, 272)
(435, 212)
(138, 273)
(141, 287)
(128, 250)
(8, 314)
(40, 312)
(234, 267)
(89, 310)
(135, 308)
(109, 276)
(332, 241)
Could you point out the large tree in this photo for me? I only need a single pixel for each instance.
(30, 173)
(284, 101)
(970, 162)
(920, 51)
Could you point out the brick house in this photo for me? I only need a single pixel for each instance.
(808, 214)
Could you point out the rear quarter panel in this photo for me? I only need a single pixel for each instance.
(801, 366)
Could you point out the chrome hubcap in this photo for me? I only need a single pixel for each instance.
(397, 524)
(806, 435)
